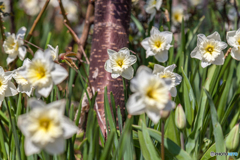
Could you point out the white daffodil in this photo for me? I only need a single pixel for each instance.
(32, 7)
(152, 6)
(14, 45)
(71, 10)
(46, 127)
(151, 95)
(158, 44)
(120, 63)
(7, 88)
(23, 85)
(233, 39)
(209, 49)
(195, 2)
(177, 14)
(42, 73)
(54, 52)
(167, 72)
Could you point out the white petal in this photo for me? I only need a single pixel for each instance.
(152, 15)
(158, 69)
(235, 53)
(135, 105)
(1, 99)
(150, 9)
(58, 74)
(171, 67)
(196, 54)
(39, 54)
(22, 52)
(8, 75)
(107, 66)
(149, 53)
(30, 148)
(128, 73)
(219, 60)
(223, 45)
(230, 34)
(11, 90)
(11, 58)
(25, 89)
(26, 62)
(34, 103)
(204, 64)
(131, 60)
(56, 147)
(69, 128)
(173, 91)
(169, 106)
(60, 105)
(201, 38)
(178, 79)
(162, 56)
(124, 50)
(145, 43)
(158, 5)
(214, 36)
(21, 32)
(22, 124)
(1, 71)
(45, 90)
(111, 52)
(154, 30)
(168, 36)
(154, 115)
(115, 75)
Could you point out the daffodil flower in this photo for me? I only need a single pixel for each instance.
(151, 7)
(233, 39)
(32, 7)
(7, 88)
(42, 73)
(23, 85)
(177, 14)
(14, 45)
(54, 52)
(167, 72)
(158, 44)
(151, 95)
(120, 63)
(45, 127)
(209, 49)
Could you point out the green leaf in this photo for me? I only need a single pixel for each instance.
(174, 151)
(217, 129)
(107, 149)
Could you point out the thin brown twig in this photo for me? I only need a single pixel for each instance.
(133, 52)
(74, 35)
(13, 27)
(33, 44)
(227, 53)
(84, 54)
(36, 21)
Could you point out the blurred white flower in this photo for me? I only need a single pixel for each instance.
(167, 72)
(32, 7)
(42, 73)
(233, 39)
(7, 88)
(54, 52)
(152, 6)
(14, 45)
(209, 49)
(71, 10)
(23, 85)
(196, 2)
(158, 44)
(177, 14)
(46, 127)
(120, 63)
(54, 3)
(151, 95)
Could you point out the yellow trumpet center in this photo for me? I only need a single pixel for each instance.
(45, 124)
(158, 44)
(210, 50)
(120, 63)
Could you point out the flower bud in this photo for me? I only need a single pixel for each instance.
(180, 118)
(151, 65)
(164, 114)
(232, 140)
